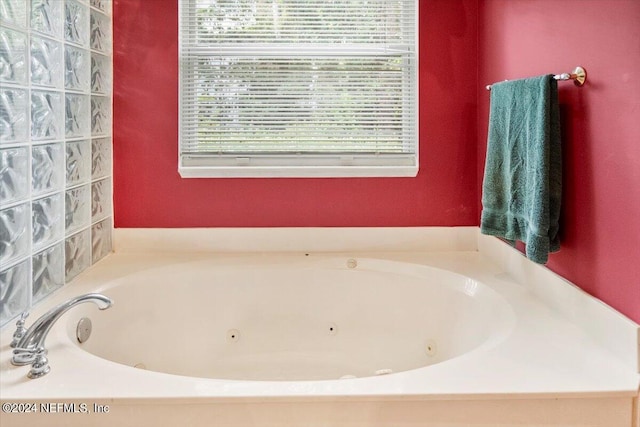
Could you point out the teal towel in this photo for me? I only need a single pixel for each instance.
(523, 172)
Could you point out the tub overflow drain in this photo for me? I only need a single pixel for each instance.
(83, 330)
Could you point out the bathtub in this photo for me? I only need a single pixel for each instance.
(296, 318)
(399, 335)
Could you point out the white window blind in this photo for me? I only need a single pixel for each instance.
(298, 88)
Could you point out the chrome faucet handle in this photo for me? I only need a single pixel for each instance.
(40, 365)
(23, 356)
(20, 330)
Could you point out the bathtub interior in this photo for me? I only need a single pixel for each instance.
(298, 320)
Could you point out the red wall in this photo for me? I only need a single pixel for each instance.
(601, 127)
(464, 44)
(149, 192)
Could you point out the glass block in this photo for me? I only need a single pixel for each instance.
(15, 291)
(14, 233)
(76, 68)
(46, 115)
(103, 5)
(101, 240)
(14, 174)
(46, 171)
(14, 108)
(100, 199)
(100, 73)
(78, 162)
(77, 120)
(46, 62)
(77, 249)
(101, 158)
(100, 32)
(14, 12)
(48, 271)
(77, 208)
(76, 20)
(13, 56)
(47, 222)
(100, 115)
(46, 17)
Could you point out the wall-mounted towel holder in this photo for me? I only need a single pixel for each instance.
(578, 75)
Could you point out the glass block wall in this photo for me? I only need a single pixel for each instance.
(55, 145)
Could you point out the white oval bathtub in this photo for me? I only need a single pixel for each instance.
(307, 320)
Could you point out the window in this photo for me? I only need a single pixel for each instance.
(293, 88)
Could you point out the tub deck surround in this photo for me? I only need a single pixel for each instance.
(575, 362)
(604, 325)
(285, 239)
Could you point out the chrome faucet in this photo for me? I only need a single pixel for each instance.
(30, 348)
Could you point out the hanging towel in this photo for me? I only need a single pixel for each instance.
(523, 172)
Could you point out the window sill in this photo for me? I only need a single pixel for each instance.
(299, 166)
(296, 172)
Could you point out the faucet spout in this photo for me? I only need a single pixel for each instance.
(33, 339)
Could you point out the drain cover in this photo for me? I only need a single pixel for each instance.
(83, 330)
